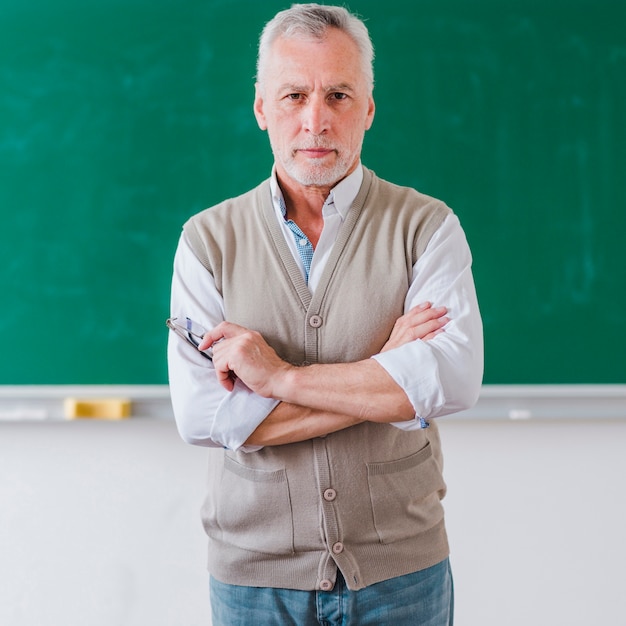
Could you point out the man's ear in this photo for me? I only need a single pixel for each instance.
(258, 108)
(371, 109)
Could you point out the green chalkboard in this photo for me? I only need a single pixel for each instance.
(118, 120)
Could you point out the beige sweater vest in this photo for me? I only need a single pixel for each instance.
(365, 499)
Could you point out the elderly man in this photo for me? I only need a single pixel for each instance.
(339, 315)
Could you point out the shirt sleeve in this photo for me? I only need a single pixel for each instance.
(442, 375)
(206, 414)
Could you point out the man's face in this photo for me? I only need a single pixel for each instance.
(316, 104)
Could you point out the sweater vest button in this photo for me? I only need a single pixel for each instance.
(338, 547)
(330, 495)
(326, 585)
(315, 321)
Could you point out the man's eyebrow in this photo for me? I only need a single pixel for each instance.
(339, 87)
(293, 87)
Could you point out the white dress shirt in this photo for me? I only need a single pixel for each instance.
(440, 376)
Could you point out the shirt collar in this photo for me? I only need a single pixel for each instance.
(342, 195)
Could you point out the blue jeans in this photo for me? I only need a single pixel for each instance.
(424, 598)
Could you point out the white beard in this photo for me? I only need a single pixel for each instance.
(311, 174)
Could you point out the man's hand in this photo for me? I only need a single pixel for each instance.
(421, 322)
(242, 353)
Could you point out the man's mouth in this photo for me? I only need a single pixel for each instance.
(315, 153)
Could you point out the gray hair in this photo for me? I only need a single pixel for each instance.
(313, 20)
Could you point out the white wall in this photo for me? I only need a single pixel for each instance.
(99, 523)
(537, 520)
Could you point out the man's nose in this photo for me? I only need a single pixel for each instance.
(316, 116)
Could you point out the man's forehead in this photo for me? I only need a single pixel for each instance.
(291, 62)
(334, 43)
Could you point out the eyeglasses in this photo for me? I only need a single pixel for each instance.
(191, 332)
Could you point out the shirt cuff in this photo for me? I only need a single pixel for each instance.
(238, 415)
(414, 368)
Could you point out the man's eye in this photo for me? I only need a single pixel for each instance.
(295, 96)
(339, 96)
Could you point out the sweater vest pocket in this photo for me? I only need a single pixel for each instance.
(253, 510)
(406, 495)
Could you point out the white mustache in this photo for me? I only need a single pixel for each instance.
(319, 143)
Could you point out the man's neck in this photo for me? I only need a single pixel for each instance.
(302, 199)
(304, 204)
(305, 209)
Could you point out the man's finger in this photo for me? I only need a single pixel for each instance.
(224, 330)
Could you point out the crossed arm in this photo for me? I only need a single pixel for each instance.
(438, 377)
(309, 396)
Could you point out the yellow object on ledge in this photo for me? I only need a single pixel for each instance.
(97, 408)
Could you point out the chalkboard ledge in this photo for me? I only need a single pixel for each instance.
(545, 402)
(39, 403)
